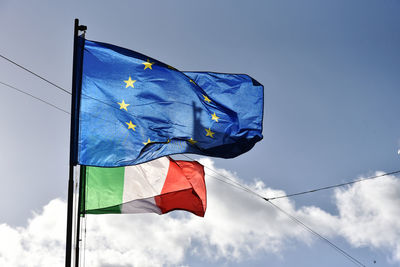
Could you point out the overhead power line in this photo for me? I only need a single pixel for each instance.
(333, 186)
(233, 182)
(35, 97)
(33, 73)
(341, 251)
(54, 106)
(294, 219)
(55, 85)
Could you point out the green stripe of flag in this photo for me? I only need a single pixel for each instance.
(104, 189)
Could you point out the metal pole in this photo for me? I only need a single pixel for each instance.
(81, 210)
(72, 153)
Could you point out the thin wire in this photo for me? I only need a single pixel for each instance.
(37, 98)
(243, 188)
(234, 185)
(48, 103)
(239, 185)
(354, 260)
(333, 186)
(37, 75)
(59, 87)
(299, 193)
(46, 80)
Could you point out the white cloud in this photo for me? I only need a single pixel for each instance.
(370, 214)
(41, 243)
(237, 225)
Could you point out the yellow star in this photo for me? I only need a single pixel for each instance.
(206, 99)
(123, 105)
(209, 133)
(129, 82)
(192, 141)
(192, 81)
(214, 117)
(131, 125)
(148, 142)
(170, 67)
(148, 64)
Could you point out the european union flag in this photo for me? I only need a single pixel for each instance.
(134, 108)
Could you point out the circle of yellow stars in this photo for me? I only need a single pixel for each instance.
(130, 83)
(122, 105)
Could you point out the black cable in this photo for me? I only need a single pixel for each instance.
(37, 75)
(243, 188)
(37, 98)
(354, 260)
(233, 185)
(299, 193)
(48, 103)
(46, 80)
(333, 186)
(59, 87)
(238, 185)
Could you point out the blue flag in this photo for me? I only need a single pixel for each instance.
(134, 108)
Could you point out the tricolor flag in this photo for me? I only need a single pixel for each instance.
(157, 186)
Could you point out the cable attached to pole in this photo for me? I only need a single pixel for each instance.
(341, 251)
(37, 75)
(296, 220)
(35, 97)
(333, 186)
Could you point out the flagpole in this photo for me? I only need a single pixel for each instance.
(72, 151)
(80, 209)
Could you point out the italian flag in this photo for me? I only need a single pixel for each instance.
(159, 186)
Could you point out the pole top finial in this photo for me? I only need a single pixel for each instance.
(82, 28)
(79, 27)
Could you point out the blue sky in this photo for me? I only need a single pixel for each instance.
(331, 77)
